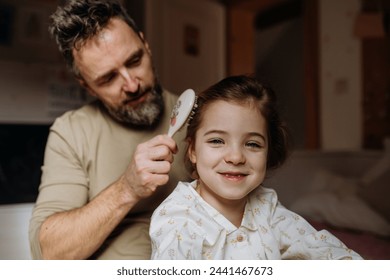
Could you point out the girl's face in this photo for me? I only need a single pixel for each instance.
(230, 151)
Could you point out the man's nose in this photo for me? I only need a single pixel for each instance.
(130, 82)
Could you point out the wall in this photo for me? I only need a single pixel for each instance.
(35, 87)
(36, 93)
(187, 39)
(279, 60)
(340, 76)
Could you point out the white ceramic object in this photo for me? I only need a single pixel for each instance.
(181, 111)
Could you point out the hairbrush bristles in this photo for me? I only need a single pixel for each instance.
(193, 111)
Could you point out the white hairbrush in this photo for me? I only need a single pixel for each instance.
(181, 111)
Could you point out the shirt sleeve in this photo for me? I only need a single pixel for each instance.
(174, 233)
(64, 183)
(299, 240)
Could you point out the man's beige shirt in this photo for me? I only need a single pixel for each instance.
(87, 151)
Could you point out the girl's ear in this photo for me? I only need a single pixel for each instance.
(191, 152)
(192, 158)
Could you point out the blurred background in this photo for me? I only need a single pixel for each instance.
(328, 61)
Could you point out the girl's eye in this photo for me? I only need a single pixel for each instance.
(253, 145)
(215, 141)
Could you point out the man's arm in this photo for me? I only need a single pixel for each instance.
(78, 233)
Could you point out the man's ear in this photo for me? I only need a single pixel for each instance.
(145, 43)
(86, 86)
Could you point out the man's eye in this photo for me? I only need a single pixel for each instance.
(134, 62)
(108, 79)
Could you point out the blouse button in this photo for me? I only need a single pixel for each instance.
(240, 238)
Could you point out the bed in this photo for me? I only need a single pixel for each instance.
(344, 192)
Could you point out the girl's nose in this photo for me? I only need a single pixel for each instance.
(235, 155)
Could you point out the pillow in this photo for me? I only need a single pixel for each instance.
(325, 180)
(333, 199)
(377, 194)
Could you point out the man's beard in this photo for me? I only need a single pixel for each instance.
(144, 115)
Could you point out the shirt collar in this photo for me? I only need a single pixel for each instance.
(248, 220)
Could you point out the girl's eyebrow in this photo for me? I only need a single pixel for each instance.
(216, 131)
(257, 134)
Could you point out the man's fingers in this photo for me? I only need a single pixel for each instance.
(162, 140)
(161, 153)
(160, 167)
(150, 165)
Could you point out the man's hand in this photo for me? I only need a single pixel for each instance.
(150, 165)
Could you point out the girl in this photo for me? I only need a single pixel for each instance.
(235, 136)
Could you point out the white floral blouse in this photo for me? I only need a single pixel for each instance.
(184, 226)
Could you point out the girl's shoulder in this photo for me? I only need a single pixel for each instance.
(181, 202)
(264, 196)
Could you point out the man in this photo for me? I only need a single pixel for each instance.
(108, 164)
